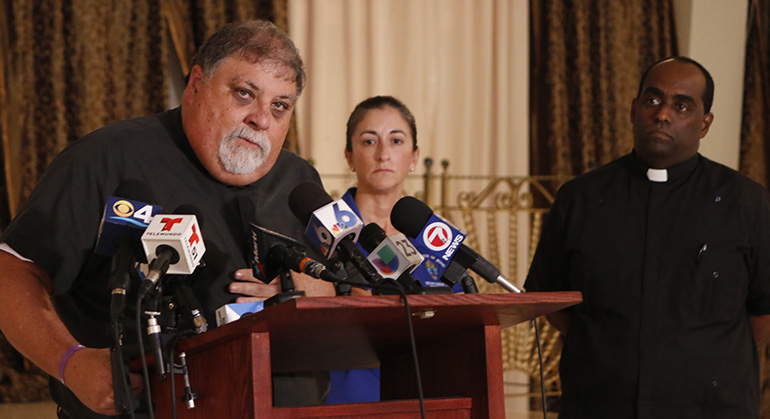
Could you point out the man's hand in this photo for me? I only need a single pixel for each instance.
(25, 288)
(252, 289)
(89, 375)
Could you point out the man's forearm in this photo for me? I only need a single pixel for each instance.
(27, 317)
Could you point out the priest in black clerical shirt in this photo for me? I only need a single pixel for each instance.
(671, 252)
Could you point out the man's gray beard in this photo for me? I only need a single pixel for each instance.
(238, 159)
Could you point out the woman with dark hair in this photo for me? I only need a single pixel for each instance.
(381, 148)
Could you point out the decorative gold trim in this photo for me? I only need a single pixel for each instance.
(172, 11)
(5, 102)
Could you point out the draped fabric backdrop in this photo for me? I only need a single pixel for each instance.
(586, 60)
(755, 135)
(71, 66)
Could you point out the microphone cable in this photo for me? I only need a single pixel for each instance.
(145, 369)
(512, 289)
(116, 353)
(539, 356)
(120, 374)
(172, 382)
(119, 368)
(540, 359)
(412, 341)
(180, 283)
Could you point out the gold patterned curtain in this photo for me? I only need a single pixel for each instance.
(68, 67)
(586, 59)
(71, 67)
(192, 21)
(755, 132)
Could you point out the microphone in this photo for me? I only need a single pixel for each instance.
(332, 226)
(153, 332)
(188, 302)
(393, 256)
(442, 242)
(435, 238)
(126, 216)
(273, 252)
(175, 242)
(328, 222)
(396, 257)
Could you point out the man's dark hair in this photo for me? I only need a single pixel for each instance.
(708, 93)
(256, 40)
(379, 102)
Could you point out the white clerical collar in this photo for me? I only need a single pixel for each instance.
(657, 175)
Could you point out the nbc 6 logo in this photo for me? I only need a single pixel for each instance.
(437, 236)
(344, 217)
(324, 237)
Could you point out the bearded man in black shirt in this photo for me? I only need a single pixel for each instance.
(671, 252)
(222, 145)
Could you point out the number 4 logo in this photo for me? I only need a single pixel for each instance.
(144, 214)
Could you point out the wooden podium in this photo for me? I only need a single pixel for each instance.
(458, 346)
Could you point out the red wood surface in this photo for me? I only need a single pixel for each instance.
(457, 339)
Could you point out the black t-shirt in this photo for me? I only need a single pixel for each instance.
(669, 273)
(58, 225)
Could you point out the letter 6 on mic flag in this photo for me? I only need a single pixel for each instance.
(182, 233)
(331, 223)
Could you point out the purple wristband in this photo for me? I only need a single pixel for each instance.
(66, 357)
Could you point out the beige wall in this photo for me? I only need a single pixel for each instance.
(460, 65)
(713, 32)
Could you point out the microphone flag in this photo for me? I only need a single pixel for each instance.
(124, 218)
(181, 232)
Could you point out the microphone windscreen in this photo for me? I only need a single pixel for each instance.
(371, 236)
(126, 215)
(188, 209)
(306, 198)
(135, 190)
(410, 215)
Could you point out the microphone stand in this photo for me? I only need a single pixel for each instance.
(120, 278)
(469, 285)
(341, 289)
(287, 289)
(123, 396)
